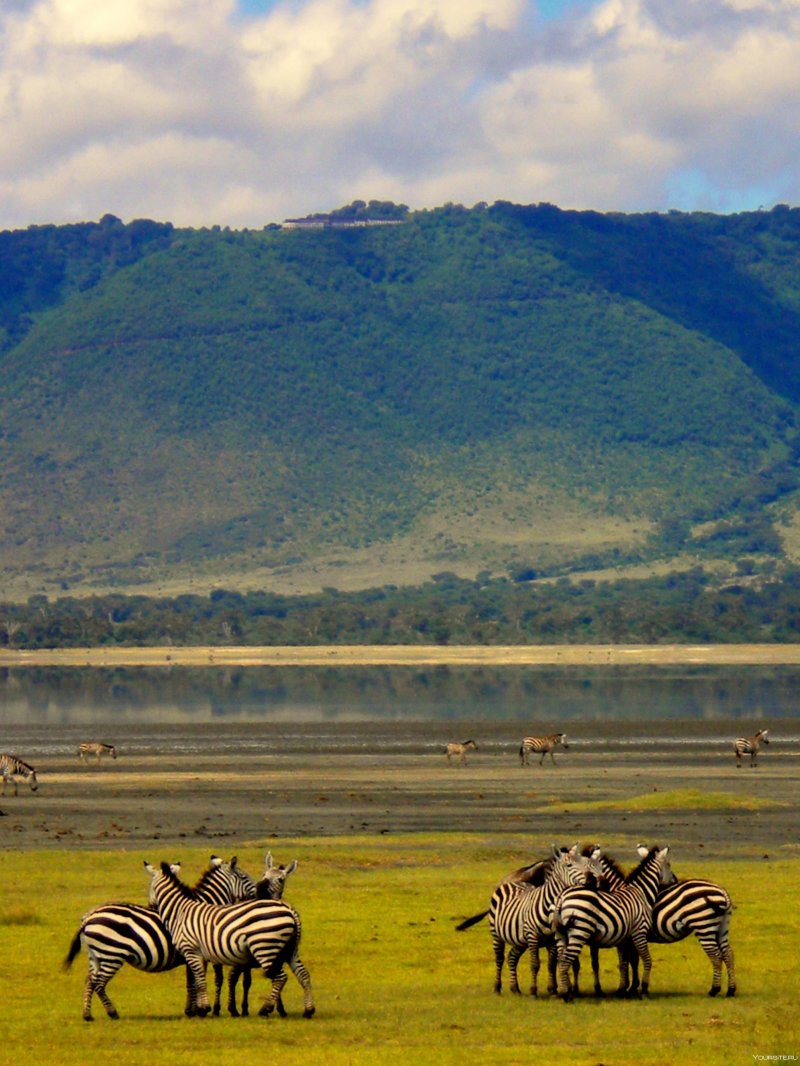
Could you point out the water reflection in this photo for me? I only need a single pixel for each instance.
(49, 696)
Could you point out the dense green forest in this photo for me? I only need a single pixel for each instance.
(687, 606)
(504, 389)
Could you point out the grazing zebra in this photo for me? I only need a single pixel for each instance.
(116, 933)
(749, 746)
(520, 912)
(96, 748)
(12, 768)
(460, 750)
(609, 918)
(270, 886)
(266, 932)
(541, 746)
(699, 907)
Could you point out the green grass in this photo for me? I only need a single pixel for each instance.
(680, 799)
(392, 978)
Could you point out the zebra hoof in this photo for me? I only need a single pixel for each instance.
(713, 992)
(731, 992)
(266, 1010)
(309, 1013)
(88, 1018)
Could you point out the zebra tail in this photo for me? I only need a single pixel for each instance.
(471, 921)
(74, 951)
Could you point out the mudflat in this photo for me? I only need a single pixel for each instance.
(241, 784)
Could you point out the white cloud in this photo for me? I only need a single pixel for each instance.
(178, 109)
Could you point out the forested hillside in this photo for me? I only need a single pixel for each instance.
(503, 390)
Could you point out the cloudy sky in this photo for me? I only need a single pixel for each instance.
(243, 112)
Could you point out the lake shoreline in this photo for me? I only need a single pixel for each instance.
(412, 655)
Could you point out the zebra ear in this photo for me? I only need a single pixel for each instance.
(290, 869)
(150, 869)
(596, 853)
(216, 860)
(233, 862)
(642, 850)
(268, 860)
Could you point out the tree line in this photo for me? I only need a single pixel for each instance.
(678, 607)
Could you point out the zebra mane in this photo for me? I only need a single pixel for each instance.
(634, 874)
(204, 877)
(171, 876)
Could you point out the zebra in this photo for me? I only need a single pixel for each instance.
(270, 886)
(520, 912)
(700, 907)
(260, 930)
(96, 748)
(460, 750)
(609, 918)
(541, 746)
(116, 933)
(749, 746)
(12, 768)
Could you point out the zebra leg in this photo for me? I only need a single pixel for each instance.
(499, 958)
(197, 965)
(271, 1001)
(191, 995)
(99, 983)
(622, 966)
(642, 950)
(515, 953)
(594, 951)
(218, 980)
(727, 954)
(303, 976)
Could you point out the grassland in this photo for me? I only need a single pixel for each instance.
(392, 978)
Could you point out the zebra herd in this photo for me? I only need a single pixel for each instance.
(227, 919)
(581, 896)
(546, 745)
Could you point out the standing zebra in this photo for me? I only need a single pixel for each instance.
(116, 933)
(460, 750)
(520, 912)
(12, 768)
(267, 931)
(749, 746)
(96, 748)
(608, 919)
(699, 907)
(541, 746)
(270, 886)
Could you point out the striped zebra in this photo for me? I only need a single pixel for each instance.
(96, 748)
(270, 886)
(260, 930)
(460, 750)
(541, 746)
(116, 933)
(704, 909)
(610, 918)
(520, 912)
(13, 768)
(749, 746)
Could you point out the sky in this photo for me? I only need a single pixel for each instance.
(244, 112)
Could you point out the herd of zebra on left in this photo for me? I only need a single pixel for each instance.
(227, 919)
(13, 769)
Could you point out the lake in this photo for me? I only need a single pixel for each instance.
(49, 707)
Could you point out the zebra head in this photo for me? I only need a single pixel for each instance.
(227, 881)
(272, 883)
(654, 865)
(568, 866)
(561, 738)
(761, 736)
(32, 781)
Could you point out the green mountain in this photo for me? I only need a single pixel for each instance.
(507, 389)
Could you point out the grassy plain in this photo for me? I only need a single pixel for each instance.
(392, 978)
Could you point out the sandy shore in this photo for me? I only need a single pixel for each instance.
(412, 655)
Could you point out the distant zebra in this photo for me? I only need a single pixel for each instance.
(609, 919)
(260, 930)
(116, 933)
(460, 750)
(270, 886)
(96, 748)
(749, 746)
(542, 746)
(702, 908)
(520, 912)
(13, 768)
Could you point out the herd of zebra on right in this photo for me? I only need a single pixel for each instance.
(546, 745)
(580, 896)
